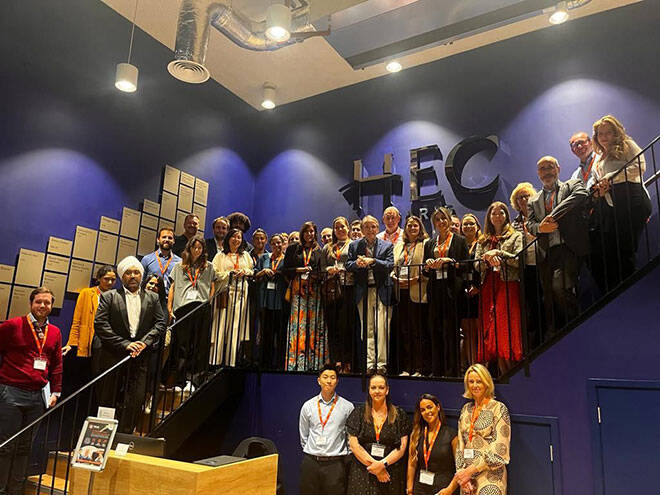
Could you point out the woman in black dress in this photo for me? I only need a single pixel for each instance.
(431, 463)
(378, 437)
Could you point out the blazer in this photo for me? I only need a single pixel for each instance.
(211, 248)
(417, 289)
(82, 326)
(384, 256)
(458, 250)
(510, 244)
(571, 215)
(111, 322)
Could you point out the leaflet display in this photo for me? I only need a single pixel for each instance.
(94, 443)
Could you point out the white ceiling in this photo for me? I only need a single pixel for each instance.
(313, 67)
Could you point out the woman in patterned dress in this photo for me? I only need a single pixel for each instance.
(484, 436)
(307, 343)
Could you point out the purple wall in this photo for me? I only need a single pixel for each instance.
(618, 342)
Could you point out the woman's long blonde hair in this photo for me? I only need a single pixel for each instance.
(618, 148)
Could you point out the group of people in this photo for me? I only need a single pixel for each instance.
(361, 450)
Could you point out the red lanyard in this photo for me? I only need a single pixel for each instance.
(442, 250)
(407, 251)
(276, 263)
(475, 416)
(548, 209)
(429, 442)
(585, 175)
(327, 418)
(40, 343)
(163, 271)
(392, 238)
(337, 252)
(193, 280)
(236, 262)
(307, 255)
(378, 428)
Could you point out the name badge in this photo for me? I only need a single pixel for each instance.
(377, 450)
(403, 272)
(468, 454)
(40, 364)
(304, 276)
(426, 477)
(339, 266)
(441, 274)
(270, 286)
(321, 441)
(469, 275)
(191, 295)
(370, 277)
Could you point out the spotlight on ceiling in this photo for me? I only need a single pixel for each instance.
(268, 101)
(393, 66)
(560, 14)
(126, 78)
(278, 22)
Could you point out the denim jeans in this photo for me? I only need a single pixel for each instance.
(18, 408)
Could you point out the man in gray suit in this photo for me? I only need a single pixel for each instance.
(558, 217)
(128, 321)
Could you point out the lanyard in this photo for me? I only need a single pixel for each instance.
(392, 238)
(475, 416)
(429, 442)
(442, 250)
(407, 253)
(163, 271)
(193, 281)
(327, 418)
(276, 263)
(236, 262)
(378, 428)
(585, 175)
(473, 246)
(337, 251)
(307, 255)
(40, 343)
(548, 209)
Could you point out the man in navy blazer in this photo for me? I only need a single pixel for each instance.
(372, 260)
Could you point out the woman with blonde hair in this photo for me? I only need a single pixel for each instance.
(431, 455)
(499, 313)
(484, 436)
(625, 203)
(411, 316)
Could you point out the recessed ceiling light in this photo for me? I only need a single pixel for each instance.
(393, 66)
(560, 14)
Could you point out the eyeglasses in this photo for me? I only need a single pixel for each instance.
(579, 143)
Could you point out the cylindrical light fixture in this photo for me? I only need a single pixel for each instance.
(278, 22)
(268, 101)
(126, 77)
(560, 14)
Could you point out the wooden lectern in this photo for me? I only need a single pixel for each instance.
(135, 474)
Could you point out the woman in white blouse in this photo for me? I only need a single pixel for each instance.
(231, 324)
(625, 202)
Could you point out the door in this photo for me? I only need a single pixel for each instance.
(626, 435)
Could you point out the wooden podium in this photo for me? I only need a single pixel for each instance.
(135, 474)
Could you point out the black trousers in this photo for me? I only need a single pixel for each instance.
(340, 320)
(322, 477)
(272, 338)
(414, 340)
(559, 276)
(125, 388)
(191, 343)
(18, 408)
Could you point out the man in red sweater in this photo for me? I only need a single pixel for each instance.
(31, 357)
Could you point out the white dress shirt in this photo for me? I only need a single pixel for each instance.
(133, 307)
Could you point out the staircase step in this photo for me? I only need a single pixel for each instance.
(49, 485)
(61, 461)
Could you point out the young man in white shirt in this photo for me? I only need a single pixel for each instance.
(323, 438)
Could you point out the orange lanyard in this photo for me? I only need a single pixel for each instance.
(585, 175)
(327, 418)
(393, 238)
(276, 263)
(338, 252)
(475, 416)
(378, 428)
(40, 343)
(429, 442)
(548, 209)
(407, 251)
(194, 281)
(473, 246)
(442, 250)
(307, 255)
(163, 271)
(236, 262)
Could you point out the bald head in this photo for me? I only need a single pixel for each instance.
(580, 143)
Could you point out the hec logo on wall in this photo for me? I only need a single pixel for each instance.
(388, 184)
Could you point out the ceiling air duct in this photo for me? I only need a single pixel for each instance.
(192, 34)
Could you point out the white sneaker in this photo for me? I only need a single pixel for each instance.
(404, 373)
(417, 373)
